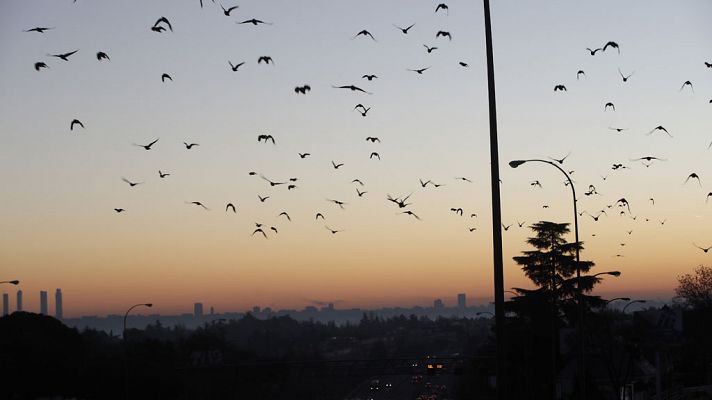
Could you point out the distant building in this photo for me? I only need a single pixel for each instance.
(43, 302)
(256, 309)
(198, 310)
(212, 310)
(5, 304)
(438, 304)
(19, 300)
(58, 313)
(461, 300)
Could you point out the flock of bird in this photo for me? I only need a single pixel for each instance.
(402, 203)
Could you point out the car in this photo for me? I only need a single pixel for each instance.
(375, 385)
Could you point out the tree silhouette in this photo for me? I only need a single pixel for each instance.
(696, 288)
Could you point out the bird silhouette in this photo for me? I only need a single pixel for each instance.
(463, 64)
(333, 231)
(102, 56)
(369, 77)
(229, 10)
(119, 210)
(230, 206)
(131, 184)
(693, 176)
(423, 184)
(262, 199)
(352, 88)
(704, 249)
(290, 187)
(360, 193)
(75, 122)
(273, 229)
(594, 51)
(535, 183)
(559, 88)
(147, 146)
(357, 181)
(272, 183)
(579, 74)
(162, 20)
(341, 204)
(443, 34)
(398, 201)
(613, 45)
(619, 130)
(38, 30)
(162, 174)
(708, 197)
(259, 230)
(189, 146)
(623, 202)
(319, 215)
(521, 224)
(265, 59)
(364, 33)
(419, 71)
(336, 166)
(302, 89)
(303, 155)
(687, 83)
(197, 203)
(166, 76)
(444, 7)
(609, 104)
(266, 138)
(506, 227)
(234, 67)
(649, 159)
(429, 49)
(597, 216)
(404, 30)
(39, 65)
(561, 161)
(158, 29)
(662, 222)
(624, 77)
(374, 154)
(64, 56)
(255, 22)
(472, 229)
(457, 210)
(462, 178)
(373, 139)
(364, 111)
(659, 128)
(708, 65)
(284, 213)
(408, 212)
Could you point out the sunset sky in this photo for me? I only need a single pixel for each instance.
(60, 187)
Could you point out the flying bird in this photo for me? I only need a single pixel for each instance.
(166, 76)
(457, 210)
(374, 154)
(357, 181)
(687, 83)
(228, 11)
(338, 203)
(705, 249)
(360, 193)
(131, 184)
(424, 184)
(274, 229)
(336, 166)
(593, 51)
(411, 213)
(266, 60)
(429, 49)
(463, 64)
(463, 179)
(162, 20)
(189, 146)
(254, 22)
(619, 130)
(319, 215)
(693, 176)
(609, 104)
(624, 77)
(259, 230)
(404, 30)
(234, 67)
(262, 199)
(708, 65)
(38, 29)
(303, 155)
(39, 65)
(443, 34)
(369, 77)
(119, 210)
(75, 122)
(444, 7)
(272, 183)
(579, 74)
(162, 174)
(302, 89)
(521, 224)
(613, 45)
(102, 56)
(364, 33)
(230, 206)
(561, 161)
(373, 139)
(506, 227)
(659, 128)
(146, 146)
(284, 213)
(333, 231)
(558, 88)
(64, 56)
(352, 88)
(266, 138)
(419, 71)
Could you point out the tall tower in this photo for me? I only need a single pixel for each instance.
(58, 304)
(461, 301)
(19, 300)
(43, 302)
(5, 304)
(198, 310)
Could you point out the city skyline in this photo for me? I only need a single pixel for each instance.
(59, 218)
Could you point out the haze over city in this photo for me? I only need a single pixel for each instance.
(60, 229)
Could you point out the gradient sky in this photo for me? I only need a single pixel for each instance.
(59, 229)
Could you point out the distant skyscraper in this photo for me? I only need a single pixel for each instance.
(58, 304)
(43, 302)
(461, 300)
(19, 300)
(198, 310)
(212, 310)
(438, 304)
(5, 304)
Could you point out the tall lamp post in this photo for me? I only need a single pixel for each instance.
(498, 262)
(631, 303)
(582, 364)
(614, 299)
(123, 334)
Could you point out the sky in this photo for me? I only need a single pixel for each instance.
(60, 187)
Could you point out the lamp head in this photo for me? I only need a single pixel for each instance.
(516, 163)
(615, 273)
(15, 282)
(148, 304)
(625, 298)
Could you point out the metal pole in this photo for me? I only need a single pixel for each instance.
(496, 213)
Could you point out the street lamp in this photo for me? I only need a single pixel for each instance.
(582, 364)
(484, 312)
(632, 302)
(611, 273)
(614, 299)
(123, 332)
(15, 282)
